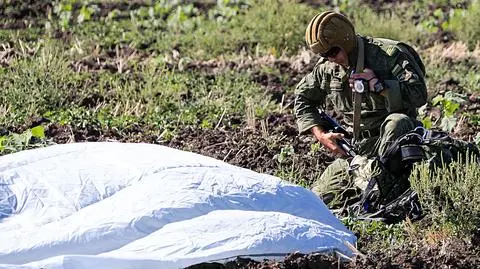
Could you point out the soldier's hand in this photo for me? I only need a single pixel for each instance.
(330, 141)
(367, 75)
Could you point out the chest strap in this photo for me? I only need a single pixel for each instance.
(357, 96)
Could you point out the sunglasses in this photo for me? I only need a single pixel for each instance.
(331, 53)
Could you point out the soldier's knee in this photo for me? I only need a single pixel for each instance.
(398, 124)
(332, 179)
(397, 119)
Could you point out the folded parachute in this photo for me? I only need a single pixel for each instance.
(118, 205)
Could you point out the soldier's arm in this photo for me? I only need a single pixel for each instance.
(309, 96)
(405, 82)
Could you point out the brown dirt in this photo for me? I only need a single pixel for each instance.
(22, 14)
(454, 254)
(253, 148)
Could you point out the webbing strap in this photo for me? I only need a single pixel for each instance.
(357, 96)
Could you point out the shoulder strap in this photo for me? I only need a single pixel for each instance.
(360, 56)
(357, 97)
(407, 50)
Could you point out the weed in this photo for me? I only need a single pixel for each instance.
(379, 234)
(450, 195)
(386, 25)
(449, 104)
(31, 138)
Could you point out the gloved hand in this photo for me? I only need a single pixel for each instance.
(369, 76)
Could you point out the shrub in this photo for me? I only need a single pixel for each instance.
(450, 195)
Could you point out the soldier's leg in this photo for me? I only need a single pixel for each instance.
(335, 186)
(363, 168)
(394, 126)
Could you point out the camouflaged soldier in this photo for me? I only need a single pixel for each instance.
(394, 76)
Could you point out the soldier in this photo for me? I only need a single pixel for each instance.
(393, 77)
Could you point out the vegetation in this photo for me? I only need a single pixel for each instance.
(153, 71)
(450, 196)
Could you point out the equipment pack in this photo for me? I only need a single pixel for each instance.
(388, 195)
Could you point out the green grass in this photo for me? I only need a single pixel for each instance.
(45, 85)
(387, 25)
(464, 23)
(450, 196)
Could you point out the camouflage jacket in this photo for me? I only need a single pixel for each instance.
(328, 85)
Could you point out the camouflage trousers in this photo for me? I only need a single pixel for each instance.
(339, 184)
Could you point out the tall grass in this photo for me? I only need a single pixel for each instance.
(38, 82)
(44, 84)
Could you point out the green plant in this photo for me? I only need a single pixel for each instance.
(31, 138)
(314, 148)
(449, 104)
(292, 171)
(386, 25)
(378, 233)
(285, 153)
(225, 10)
(63, 9)
(450, 194)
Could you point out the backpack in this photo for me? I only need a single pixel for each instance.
(391, 47)
(393, 200)
(408, 50)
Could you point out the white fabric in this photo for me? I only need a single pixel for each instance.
(118, 205)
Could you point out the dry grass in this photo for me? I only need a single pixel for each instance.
(250, 113)
(456, 52)
(4, 110)
(439, 237)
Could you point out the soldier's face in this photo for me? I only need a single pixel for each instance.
(340, 58)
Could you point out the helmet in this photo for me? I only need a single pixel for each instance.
(330, 29)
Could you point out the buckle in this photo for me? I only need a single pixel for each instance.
(366, 134)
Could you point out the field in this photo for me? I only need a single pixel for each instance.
(217, 78)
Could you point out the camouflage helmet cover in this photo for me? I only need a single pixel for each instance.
(330, 29)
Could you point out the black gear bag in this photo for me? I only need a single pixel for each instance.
(393, 200)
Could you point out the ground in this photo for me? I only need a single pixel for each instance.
(256, 145)
(251, 147)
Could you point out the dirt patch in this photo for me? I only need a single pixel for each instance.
(116, 60)
(255, 148)
(453, 254)
(23, 14)
(291, 261)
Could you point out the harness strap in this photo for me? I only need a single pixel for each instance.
(357, 96)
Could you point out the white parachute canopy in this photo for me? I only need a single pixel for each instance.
(118, 205)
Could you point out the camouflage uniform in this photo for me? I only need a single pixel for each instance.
(383, 119)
